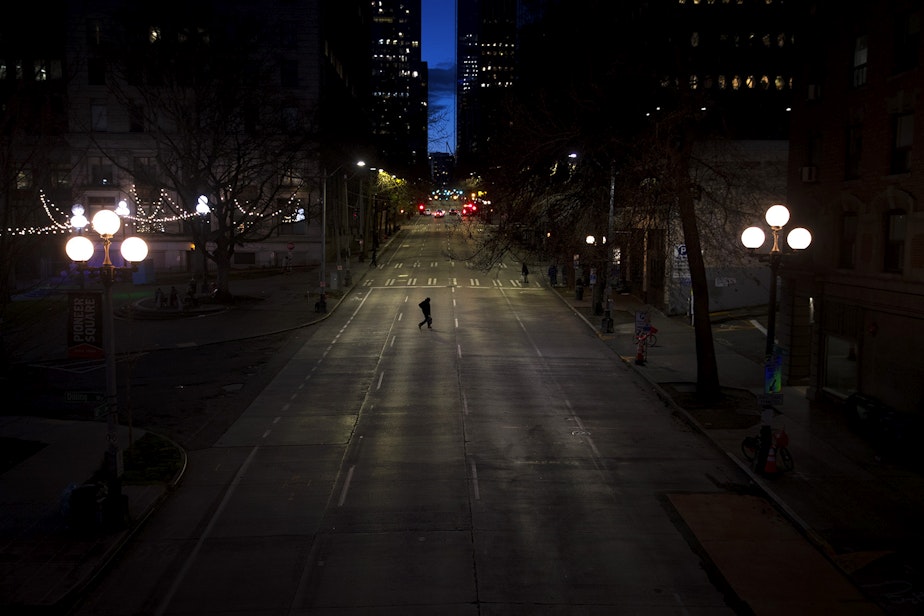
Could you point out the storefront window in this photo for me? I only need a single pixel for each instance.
(840, 365)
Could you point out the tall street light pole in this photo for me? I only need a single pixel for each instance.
(323, 282)
(777, 217)
(204, 211)
(326, 176)
(80, 249)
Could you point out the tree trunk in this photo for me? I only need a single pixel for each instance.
(707, 371)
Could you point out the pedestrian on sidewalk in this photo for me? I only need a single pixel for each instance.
(425, 308)
(525, 271)
(374, 261)
(553, 275)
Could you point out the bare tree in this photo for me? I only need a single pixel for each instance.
(640, 154)
(212, 122)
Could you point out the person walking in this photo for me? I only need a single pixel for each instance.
(525, 271)
(425, 308)
(553, 275)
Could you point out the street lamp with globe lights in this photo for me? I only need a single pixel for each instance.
(80, 249)
(204, 211)
(777, 217)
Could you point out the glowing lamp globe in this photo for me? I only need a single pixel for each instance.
(79, 249)
(777, 216)
(79, 221)
(753, 237)
(202, 205)
(106, 223)
(134, 249)
(799, 238)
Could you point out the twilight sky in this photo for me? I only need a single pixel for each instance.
(438, 50)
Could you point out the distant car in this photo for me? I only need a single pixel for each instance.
(439, 213)
(427, 212)
(453, 212)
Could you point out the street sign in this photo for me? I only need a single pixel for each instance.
(83, 396)
(85, 325)
(773, 374)
(770, 399)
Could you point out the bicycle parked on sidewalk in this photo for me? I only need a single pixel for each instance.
(780, 443)
(648, 335)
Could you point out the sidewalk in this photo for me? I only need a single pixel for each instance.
(862, 514)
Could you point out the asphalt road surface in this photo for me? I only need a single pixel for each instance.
(504, 462)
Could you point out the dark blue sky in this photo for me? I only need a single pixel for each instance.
(438, 50)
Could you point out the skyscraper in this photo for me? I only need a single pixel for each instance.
(486, 56)
(399, 85)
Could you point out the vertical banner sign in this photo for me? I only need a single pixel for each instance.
(773, 374)
(85, 325)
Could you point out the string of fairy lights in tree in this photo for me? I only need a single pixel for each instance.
(155, 216)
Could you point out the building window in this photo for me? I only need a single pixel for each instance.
(100, 171)
(847, 249)
(96, 72)
(840, 364)
(902, 140)
(290, 119)
(99, 117)
(135, 118)
(860, 53)
(144, 169)
(894, 241)
(288, 35)
(906, 41)
(60, 175)
(24, 179)
(288, 70)
(853, 152)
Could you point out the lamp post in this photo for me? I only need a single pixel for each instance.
(203, 210)
(326, 176)
(777, 217)
(80, 249)
(594, 279)
(753, 238)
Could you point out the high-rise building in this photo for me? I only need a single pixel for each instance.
(486, 65)
(399, 85)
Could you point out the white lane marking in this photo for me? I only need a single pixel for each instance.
(346, 486)
(205, 534)
(475, 490)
